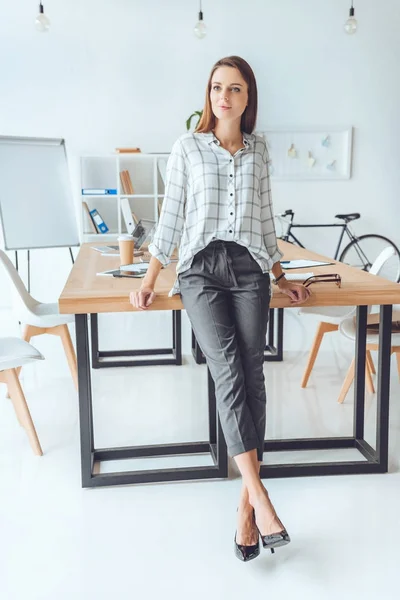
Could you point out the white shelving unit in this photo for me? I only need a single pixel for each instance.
(103, 172)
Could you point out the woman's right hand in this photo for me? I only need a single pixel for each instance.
(142, 298)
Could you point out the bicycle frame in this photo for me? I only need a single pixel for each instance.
(344, 226)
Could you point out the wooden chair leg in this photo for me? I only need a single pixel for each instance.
(347, 382)
(70, 353)
(322, 329)
(370, 362)
(22, 410)
(350, 378)
(368, 377)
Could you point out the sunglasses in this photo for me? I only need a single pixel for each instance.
(335, 277)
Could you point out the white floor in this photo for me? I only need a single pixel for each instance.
(175, 541)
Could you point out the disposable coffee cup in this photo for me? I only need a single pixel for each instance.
(126, 248)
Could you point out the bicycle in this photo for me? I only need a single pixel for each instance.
(360, 252)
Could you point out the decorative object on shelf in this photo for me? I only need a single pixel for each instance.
(42, 22)
(197, 113)
(331, 165)
(326, 141)
(292, 152)
(200, 29)
(99, 191)
(126, 182)
(98, 221)
(127, 150)
(311, 160)
(351, 24)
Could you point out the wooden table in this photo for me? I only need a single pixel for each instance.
(87, 294)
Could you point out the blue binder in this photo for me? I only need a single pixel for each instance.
(101, 226)
(99, 191)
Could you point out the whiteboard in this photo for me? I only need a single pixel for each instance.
(36, 203)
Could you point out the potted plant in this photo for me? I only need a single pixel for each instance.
(197, 113)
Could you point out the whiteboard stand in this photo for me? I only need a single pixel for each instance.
(29, 265)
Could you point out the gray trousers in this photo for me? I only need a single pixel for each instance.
(226, 297)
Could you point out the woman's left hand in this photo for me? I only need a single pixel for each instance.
(297, 293)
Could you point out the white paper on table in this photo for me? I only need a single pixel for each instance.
(302, 264)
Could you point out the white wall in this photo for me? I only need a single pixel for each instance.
(129, 72)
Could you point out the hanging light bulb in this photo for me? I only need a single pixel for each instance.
(42, 23)
(351, 24)
(200, 29)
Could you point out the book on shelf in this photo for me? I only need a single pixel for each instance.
(98, 221)
(89, 219)
(123, 182)
(127, 150)
(99, 191)
(126, 182)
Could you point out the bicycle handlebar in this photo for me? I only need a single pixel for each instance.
(287, 213)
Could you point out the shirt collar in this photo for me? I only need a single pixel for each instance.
(210, 138)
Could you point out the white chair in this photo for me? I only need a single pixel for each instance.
(14, 353)
(40, 317)
(334, 315)
(348, 329)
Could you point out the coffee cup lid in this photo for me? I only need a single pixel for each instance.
(125, 237)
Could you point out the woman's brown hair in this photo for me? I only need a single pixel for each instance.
(249, 117)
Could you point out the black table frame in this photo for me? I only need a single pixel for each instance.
(99, 357)
(90, 456)
(274, 348)
(376, 460)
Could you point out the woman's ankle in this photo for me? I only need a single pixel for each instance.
(258, 496)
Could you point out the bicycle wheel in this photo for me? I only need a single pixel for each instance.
(363, 252)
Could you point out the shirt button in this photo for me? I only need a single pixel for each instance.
(231, 194)
(231, 213)
(230, 160)
(230, 231)
(230, 175)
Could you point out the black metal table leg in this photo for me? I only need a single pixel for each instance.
(85, 399)
(376, 460)
(383, 394)
(99, 357)
(274, 350)
(92, 457)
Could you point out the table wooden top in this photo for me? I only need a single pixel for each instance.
(85, 292)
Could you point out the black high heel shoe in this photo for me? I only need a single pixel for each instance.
(246, 553)
(274, 540)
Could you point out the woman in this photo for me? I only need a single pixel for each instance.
(217, 205)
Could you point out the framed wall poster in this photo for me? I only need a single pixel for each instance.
(309, 153)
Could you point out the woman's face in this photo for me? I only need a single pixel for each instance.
(228, 89)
